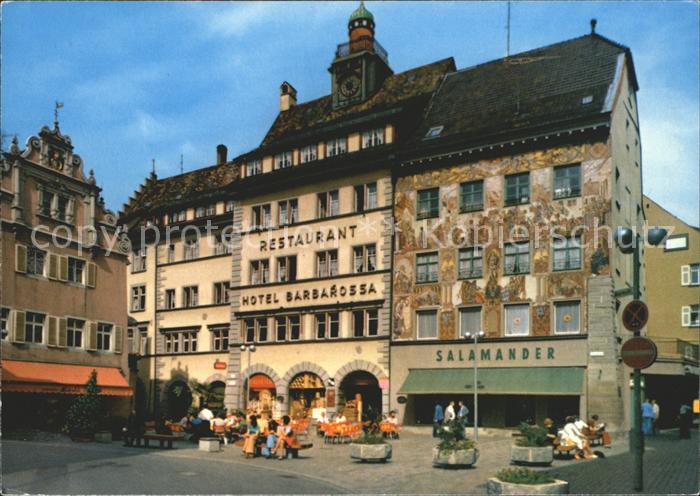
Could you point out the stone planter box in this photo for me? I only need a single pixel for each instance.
(103, 437)
(531, 455)
(209, 444)
(495, 486)
(370, 452)
(456, 459)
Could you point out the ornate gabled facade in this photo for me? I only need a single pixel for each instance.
(62, 277)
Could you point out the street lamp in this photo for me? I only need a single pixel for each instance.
(475, 336)
(627, 241)
(249, 348)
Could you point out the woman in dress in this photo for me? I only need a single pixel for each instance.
(250, 437)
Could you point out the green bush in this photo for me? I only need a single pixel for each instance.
(532, 436)
(524, 476)
(84, 414)
(370, 438)
(452, 437)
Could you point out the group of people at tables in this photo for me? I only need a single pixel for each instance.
(577, 434)
(257, 432)
(388, 426)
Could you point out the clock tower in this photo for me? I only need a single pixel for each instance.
(361, 65)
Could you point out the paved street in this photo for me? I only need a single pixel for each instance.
(65, 467)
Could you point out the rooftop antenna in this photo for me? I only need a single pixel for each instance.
(508, 32)
(153, 166)
(593, 24)
(57, 105)
(182, 167)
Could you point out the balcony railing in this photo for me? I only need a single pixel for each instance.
(676, 347)
(360, 44)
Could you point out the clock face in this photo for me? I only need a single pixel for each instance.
(350, 86)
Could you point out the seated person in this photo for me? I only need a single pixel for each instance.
(270, 440)
(162, 426)
(205, 414)
(323, 418)
(285, 437)
(552, 431)
(340, 418)
(218, 426)
(595, 425)
(572, 435)
(251, 437)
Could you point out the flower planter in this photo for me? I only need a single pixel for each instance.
(209, 444)
(370, 452)
(496, 486)
(455, 458)
(531, 455)
(103, 437)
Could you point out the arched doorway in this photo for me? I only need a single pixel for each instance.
(215, 396)
(261, 394)
(306, 393)
(179, 399)
(359, 394)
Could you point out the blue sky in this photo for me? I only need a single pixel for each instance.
(157, 80)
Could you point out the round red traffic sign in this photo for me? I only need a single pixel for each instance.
(635, 315)
(638, 352)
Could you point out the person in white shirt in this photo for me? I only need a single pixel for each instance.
(392, 418)
(205, 414)
(657, 411)
(571, 434)
(450, 412)
(340, 418)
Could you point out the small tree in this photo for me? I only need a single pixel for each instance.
(83, 415)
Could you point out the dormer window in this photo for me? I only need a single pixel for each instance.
(308, 153)
(434, 132)
(373, 137)
(336, 147)
(253, 168)
(283, 160)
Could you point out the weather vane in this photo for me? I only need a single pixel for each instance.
(58, 105)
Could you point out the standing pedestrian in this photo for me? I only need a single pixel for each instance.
(438, 417)
(657, 410)
(647, 417)
(686, 421)
(462, 413)
(450, 412)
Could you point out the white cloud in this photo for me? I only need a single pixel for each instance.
(238, 19)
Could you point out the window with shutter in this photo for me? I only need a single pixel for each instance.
(62, 332)
(18, 327)
(53, 331)
(92, 336)
(118, 336)
(685, 275)
(21, 258)
(91, 275)
(53, 266)
(63, 268)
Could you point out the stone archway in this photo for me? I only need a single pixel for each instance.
(369, 367)
(280, 385)
(283, 387)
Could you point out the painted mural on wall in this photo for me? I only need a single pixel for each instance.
(453, 230)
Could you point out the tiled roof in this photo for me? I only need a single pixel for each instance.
(397, 88)
(170, 191)
(540, 87)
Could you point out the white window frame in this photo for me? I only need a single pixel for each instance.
(71, 329)
(687, 316)
(437, 322)
(308, 153)
(555, 304)
(220, 339)
(283, 160)
(505, 319)
(287, 212)
(138, 298)
(327, 319)
(373, 137)
(104, 329)
(469, 308)
(76, 280)
(364, 255)
(325, 258)
(190, 296)
(4, 322)
(221, 292)
(367, 315)
(259, 271)
(337, 146)
(253, 168)
(170, 299)
(32, 252)
(687, 274)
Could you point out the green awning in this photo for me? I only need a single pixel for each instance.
(534, 380)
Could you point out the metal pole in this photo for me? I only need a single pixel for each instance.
(636, 435)
(476, 389)
(247, 380)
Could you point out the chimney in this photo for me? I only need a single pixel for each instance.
(288, 96)
(221, 154)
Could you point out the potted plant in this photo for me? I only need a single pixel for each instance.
(454, 449)
(525, 481)
(83, 415)
(370, 447)
(532, 447)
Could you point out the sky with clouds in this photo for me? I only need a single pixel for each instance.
(161, 80)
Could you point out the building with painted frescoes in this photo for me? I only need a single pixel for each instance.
(509, 152)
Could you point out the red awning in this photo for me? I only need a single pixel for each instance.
(261, 381)
(56, 378)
